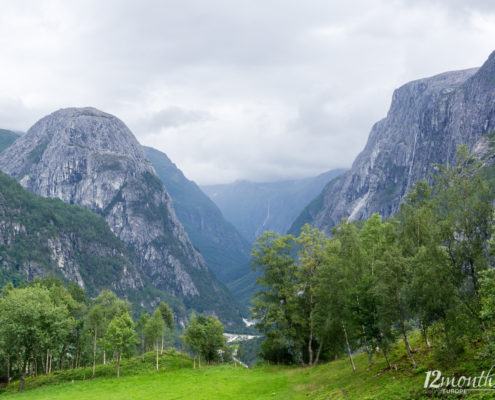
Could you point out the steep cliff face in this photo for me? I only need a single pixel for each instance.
(87, 157)
(226, 252)
(41, 236)
(427, 121)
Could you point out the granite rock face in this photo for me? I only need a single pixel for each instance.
(427, 121)
(87, 157)
(39, 237)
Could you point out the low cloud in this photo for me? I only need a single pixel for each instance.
(259, 90)
(172, 117)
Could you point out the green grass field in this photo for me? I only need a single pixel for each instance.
(178, 380)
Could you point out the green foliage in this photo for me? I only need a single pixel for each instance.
(154, 328)
(120, 337)
(204, 337)
(7, 138)
(275, 306)
(32, 321)
(33, 222)
(167, 315)
(372, 281)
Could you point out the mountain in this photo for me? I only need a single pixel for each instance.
(226, 252)
(7, 138)
(428, 119)
(87, 157)
(40, 236)
(257, 207)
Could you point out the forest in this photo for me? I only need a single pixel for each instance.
(46, 326)
(370, 283)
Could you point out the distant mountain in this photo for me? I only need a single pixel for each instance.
(428, 119)
(7, 138)
(226, 252)
(87, 157)
(257, 207)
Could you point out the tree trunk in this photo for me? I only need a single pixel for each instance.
(348, 347)
(424, 330)
(104, 357)
(386, 358)
(23, 380)
(94, 351)
(60, 362)
(23, 377)
(51, 359)
(156, 355)
(8, 369)
(47, 361)
(161, 352)
(194, 363)
(199, 362)
(406, 342)
(317, 358)
(118, 366)
(369, 350)
(310, 341)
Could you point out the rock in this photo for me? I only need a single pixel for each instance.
(87, 157)
(427, 121)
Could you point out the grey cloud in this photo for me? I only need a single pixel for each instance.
(258, 90)
(172, 117)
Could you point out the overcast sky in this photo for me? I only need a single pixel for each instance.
(234, 89)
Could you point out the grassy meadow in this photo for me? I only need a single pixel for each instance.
(178, 380)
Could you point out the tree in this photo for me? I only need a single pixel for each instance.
(154, 329)
(102, 310)
(311, 243)
(140, 330)
(31, 322)
(428, 260)
(95, 320)
(334, 317)
(393, 278)
(204, 337)
(120, 337)
(276, 305)
(466, 219)
(168, 319)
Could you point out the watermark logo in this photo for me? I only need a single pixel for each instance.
(436, 381)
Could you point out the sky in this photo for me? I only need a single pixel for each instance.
(262, 90)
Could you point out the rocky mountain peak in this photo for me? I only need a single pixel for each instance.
(91, 128)
(87, 157)
(427, 121)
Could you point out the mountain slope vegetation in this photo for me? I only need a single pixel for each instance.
(41, 236)
(7, 138)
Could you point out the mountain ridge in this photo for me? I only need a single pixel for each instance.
(87, 157)
(226, 252)
(427, 120)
